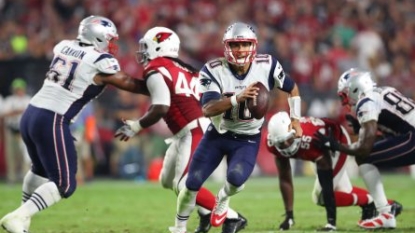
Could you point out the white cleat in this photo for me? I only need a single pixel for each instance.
(177, 230)
(219, 212)
(382, 221)
(14, 223)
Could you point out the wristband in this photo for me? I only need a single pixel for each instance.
(295, 107)
(135, 125)
(234, 102)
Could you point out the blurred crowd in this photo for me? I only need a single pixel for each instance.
(314, 40)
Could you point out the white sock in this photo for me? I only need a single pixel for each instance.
(229, 190)
(185, 205)
(372, 179)
(203, 211)
(232, 214)
(43, 197)
(31, 182)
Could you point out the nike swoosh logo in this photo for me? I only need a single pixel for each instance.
(250, 141)
(219, 220)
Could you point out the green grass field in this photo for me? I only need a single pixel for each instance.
(128, 207)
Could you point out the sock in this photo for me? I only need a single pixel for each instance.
(203, 211)
(232, 214)
(372, 179)
(345, 199)
(31, 182)
(363, 196)
(43, 197)
(229, 190)
(186, 202)
(205, 199)
(350, 199)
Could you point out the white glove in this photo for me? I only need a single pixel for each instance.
(128, 130)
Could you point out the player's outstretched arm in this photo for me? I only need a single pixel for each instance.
(123, 81)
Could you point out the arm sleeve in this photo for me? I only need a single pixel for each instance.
(107, 64)
(367, 110)
(282, 81)
(159, 91)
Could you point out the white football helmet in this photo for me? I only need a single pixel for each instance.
(281, 136)
(342, 84)
(240, 32)
(358, 86)
(99, 32)
(158, 42)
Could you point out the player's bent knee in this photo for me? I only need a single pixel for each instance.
(166, 183)
(236, 179)
(193, 184)
(66, 193)
(66, 190)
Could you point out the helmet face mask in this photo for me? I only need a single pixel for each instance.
(281, 136)
(244, 35)
(99, 32)
(158, 42)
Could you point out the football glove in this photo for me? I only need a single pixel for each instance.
(326, 142)
(288, 221)
(128, 130)
(353, 122)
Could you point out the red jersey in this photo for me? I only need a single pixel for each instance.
(184, 106)
(307, 150)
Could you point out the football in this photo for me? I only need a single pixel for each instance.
(259, 106)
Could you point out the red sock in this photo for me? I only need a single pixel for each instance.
(362, 196)
(343, 199)
(361, 191)
(205, 199)
(358, 196)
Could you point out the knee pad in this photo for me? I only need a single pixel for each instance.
(236, 178)
(193, 184)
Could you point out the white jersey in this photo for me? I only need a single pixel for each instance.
(393, 111)
(216, 76)
(69, 84)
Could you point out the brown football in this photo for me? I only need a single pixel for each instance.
(259, 106)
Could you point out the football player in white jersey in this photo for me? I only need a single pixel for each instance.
(174, 98)
(79, 72)
(226, 83)
(381, 109)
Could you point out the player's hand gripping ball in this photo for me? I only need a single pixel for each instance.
(259, 106)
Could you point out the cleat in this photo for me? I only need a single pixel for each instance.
(219, 212)
(396, 208)
(177, 230)
(14, 223)
(234, 225)
(368, 211)
(328, 228)
(382, 221)
(204, 223)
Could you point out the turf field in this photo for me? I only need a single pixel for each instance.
(129, 207)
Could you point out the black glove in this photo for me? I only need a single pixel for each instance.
(353, 122)
(326, 142)
(288, 221)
